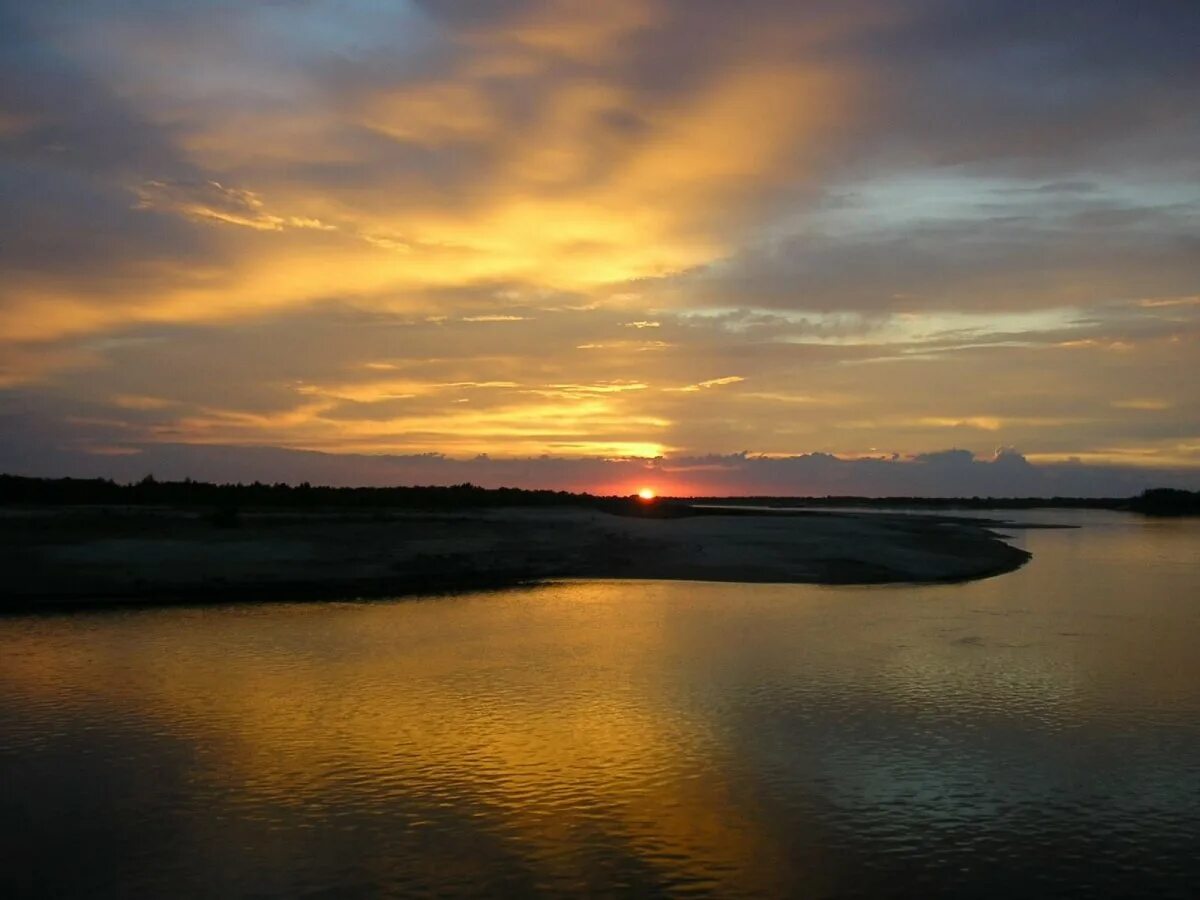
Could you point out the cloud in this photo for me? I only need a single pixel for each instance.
(948, 473)
(710, 383)
(902, 223)
(1143, 403)
(876, 256)
(403, 384)
(211, 201)
(463, 156)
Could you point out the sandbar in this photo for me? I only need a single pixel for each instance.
(72, 557)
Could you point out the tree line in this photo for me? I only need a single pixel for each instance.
(17, 489)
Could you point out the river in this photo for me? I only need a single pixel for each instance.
(1032, 734)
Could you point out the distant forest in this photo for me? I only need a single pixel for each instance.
(16, 489)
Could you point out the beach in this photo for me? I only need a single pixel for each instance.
(80, 556)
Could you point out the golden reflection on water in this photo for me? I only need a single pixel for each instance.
(568, 736)
(724, 737)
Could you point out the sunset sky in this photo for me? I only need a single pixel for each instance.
(713, 247)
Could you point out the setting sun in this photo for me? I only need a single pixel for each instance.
(647, 494)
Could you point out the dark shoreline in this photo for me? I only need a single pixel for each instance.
(221, 594)
(73, 558)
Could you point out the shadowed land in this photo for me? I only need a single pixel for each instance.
(77, 556)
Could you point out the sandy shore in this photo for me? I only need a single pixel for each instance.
(84, 556)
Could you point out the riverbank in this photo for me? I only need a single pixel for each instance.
(85, 556)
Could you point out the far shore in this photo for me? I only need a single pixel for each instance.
(79, 557)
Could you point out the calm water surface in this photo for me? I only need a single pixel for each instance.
(1030, 735)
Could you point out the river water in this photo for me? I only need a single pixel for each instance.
(1033, 734)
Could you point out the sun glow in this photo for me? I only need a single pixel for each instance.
(647, 494)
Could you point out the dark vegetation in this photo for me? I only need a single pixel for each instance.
(150, 492)
(1167, 502)
(225, 500)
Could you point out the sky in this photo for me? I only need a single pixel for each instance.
(863, 246)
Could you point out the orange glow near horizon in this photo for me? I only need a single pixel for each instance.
(647, 494)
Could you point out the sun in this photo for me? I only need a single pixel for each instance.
(647, 494)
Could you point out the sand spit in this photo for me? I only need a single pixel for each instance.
(81, 556)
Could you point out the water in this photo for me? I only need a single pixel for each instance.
(1029, 735)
